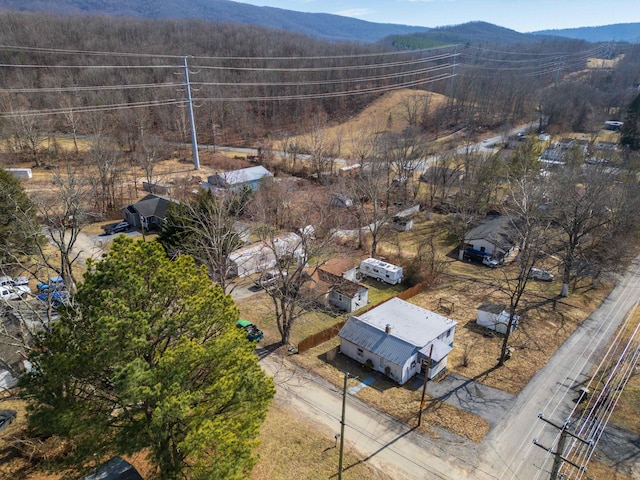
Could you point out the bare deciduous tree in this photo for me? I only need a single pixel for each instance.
(583, 204)
(207, 229)
(64, 212)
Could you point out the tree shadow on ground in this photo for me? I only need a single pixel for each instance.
(435, 402)
(264, 351)
(383, 447)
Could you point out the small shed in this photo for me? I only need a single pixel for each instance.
(495, 317)
(340, 200)
(20, 173)
(115, 469)
(345, 267)
(403, 221)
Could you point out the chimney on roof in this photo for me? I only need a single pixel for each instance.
(387, 328)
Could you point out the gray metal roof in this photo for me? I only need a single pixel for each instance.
(244, 175)
(440, 350)
(411, 328)
(370, 338)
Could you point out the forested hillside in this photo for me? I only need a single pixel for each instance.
(126, 78)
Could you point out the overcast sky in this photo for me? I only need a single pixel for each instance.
(520, 15)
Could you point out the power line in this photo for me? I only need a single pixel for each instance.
(98, 88)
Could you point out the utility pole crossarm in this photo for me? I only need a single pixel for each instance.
(558, 454)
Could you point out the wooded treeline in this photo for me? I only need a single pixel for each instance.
(251, 83)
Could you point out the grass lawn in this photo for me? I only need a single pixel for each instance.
(259, 309)
(291, 448)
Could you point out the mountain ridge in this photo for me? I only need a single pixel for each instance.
(320, 25)
(323, 26)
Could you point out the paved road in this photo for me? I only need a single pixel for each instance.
(386, 443)
(509, 451)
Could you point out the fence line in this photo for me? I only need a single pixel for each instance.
(328, 333)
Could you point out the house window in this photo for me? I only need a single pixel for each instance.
(413, 364)
(360, 352)
(449, 332)
(482, 249)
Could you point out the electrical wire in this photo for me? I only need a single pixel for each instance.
(586, 353)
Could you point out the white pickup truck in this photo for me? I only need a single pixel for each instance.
(10, 289)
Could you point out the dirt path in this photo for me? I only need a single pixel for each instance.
(90, 245)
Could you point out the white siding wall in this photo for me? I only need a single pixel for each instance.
(490, 248)
(436, 368)
(399, 373)
(447, 337)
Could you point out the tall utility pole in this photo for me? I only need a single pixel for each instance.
(194, 140)
(558, 458)
(344, 406)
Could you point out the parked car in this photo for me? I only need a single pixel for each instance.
(539, 274)
(11, 288)
(485, 258)
(271, 279)
(117, 228)
(254, 334)
(7, 293)
(57, 298)
(54, 283)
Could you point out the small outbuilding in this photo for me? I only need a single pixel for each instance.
(495, 317)
(335, 283)
(403, 221)
(20, 173)
(340, 200)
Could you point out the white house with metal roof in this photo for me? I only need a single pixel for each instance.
(237, 180)
(397, 337)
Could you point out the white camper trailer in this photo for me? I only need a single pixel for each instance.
(383, 271)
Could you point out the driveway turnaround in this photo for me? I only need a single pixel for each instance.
(486, 402)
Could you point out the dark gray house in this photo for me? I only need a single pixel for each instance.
(151, 211)
(496, 236)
